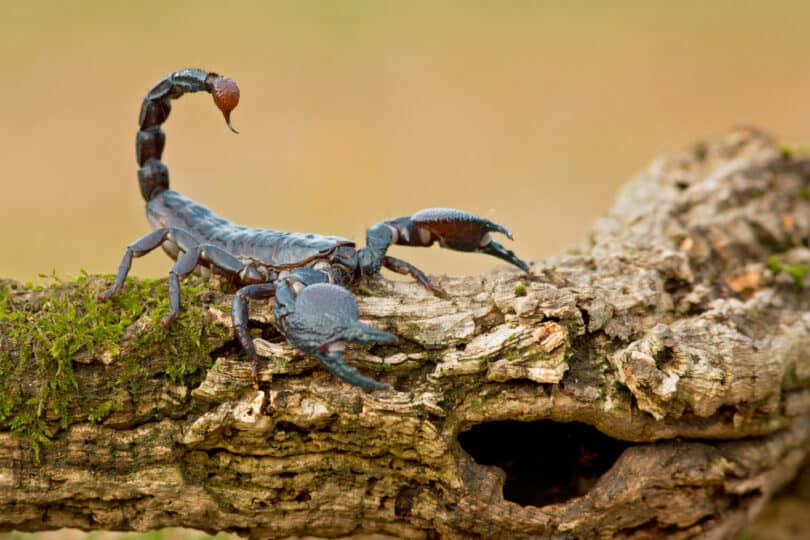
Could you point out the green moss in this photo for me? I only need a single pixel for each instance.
(476, 405)
(41, 334)
(797, 271)
(520, 289)
(773, 264)
(409, 332)
(575, 328)
(280, 365)
(790, 151)
(804, 194)
(790, 380)
(103, 410)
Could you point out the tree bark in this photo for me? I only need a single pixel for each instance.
(654, 382)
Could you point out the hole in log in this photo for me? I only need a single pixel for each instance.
(545, 462)
(404, 501)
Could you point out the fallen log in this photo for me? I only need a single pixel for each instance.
(656, 381)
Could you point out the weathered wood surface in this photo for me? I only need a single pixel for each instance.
(682, 328)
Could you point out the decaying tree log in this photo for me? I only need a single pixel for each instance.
(655, 382)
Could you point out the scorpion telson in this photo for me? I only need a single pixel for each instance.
(308, 274)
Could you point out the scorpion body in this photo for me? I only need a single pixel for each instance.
(307, 274)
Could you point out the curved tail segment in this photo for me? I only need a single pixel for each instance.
(153, 173)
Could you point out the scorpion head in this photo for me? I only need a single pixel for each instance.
(226, 96)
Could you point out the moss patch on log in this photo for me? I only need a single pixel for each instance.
(45, 333)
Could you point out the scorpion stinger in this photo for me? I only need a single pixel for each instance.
(226, 96)
(308, 274)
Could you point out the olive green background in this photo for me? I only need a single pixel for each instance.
(530, 113)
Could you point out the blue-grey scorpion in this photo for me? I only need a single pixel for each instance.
(308, 274)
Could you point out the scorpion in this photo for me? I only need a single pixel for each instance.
(308, 275)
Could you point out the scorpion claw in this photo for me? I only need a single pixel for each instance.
(457, 229)
(462, 231)
(452, 229)
(362, 333)
(333, 361)
(323, 318)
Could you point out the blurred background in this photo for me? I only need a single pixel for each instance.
(530, 113)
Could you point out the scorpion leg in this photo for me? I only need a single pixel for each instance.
(216, 257)
(139, 247)
(239, 314)
(185, 265)
(142, 246)
(401, 267)
(453, 229)
(319, 319)
(191, 254)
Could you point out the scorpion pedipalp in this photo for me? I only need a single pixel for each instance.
(451, 228)
(320, 320)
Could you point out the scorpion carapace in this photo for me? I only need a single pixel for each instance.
(308, 274)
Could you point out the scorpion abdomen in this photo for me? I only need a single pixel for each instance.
(267, 247)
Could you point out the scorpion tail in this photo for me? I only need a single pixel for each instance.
(150, 140)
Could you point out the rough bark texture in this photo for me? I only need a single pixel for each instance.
(681, 332)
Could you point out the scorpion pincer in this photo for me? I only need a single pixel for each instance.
(307, 274)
